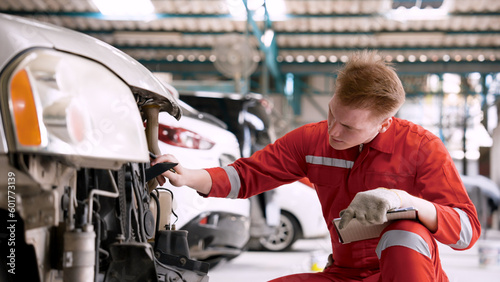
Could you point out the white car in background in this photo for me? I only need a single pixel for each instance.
(485, 195)
(294, 207)
(218, 228)
(301, 217)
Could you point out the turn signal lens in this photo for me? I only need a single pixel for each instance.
(24, 108)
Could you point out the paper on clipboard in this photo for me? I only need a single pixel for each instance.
(355, 231)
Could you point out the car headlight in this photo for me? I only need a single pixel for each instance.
(66, 105)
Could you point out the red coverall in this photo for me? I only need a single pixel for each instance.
(405, 157)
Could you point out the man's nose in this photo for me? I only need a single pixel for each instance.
(333, 129)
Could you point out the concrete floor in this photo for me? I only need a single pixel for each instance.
(251, 266)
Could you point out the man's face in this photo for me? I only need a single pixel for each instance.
(349, 127)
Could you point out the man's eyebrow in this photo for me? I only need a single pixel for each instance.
(347, 126)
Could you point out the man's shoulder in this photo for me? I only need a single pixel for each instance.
(413, 129)
(312, 131)
(321, 126)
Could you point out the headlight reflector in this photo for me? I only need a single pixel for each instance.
(74, 107)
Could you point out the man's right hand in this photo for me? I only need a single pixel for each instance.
(329, 262)
(175, 178)
(198, 179)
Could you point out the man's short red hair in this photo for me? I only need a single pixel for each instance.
(368, 82)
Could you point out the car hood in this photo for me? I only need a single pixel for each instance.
(20, 34)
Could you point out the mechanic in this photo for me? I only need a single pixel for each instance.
(362, 161)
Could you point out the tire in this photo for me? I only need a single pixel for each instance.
(284, 236)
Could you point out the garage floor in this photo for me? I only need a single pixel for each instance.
(263, 266)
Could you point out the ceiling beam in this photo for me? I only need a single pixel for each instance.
(331, 68)
(98, 15)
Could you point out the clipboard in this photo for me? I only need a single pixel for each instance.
(355, 231)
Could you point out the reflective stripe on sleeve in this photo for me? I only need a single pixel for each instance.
(234, 179)
(403, 238)
(465, 231)
(329, 161)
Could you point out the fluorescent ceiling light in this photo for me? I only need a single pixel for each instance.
(153, 36)
(267, 37)
(398, 37)
(420, 11)
(125, 8)
(415, 14)
(275, 8)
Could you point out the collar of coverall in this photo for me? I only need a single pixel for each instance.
(384, 142)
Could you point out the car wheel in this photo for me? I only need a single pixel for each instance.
(282, 239)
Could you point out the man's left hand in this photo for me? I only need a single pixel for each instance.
(370, 207)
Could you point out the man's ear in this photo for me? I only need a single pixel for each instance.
(385, 124)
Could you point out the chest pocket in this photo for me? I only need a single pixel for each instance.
(329, 176)
(389, 180)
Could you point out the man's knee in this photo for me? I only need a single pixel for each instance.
(408, 252)
(409, 234)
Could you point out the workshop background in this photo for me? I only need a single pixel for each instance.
(447, 53)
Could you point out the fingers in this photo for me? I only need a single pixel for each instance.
(161, 180)
(375, 217)
(346, 216)
(330, 261)
(362, 216)
(174, 179)
(369, 207)
(173, 175)
(164, 158)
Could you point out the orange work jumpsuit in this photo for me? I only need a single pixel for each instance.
(405, 157)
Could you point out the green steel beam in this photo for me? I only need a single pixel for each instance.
(271, 51)
(444, 32)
